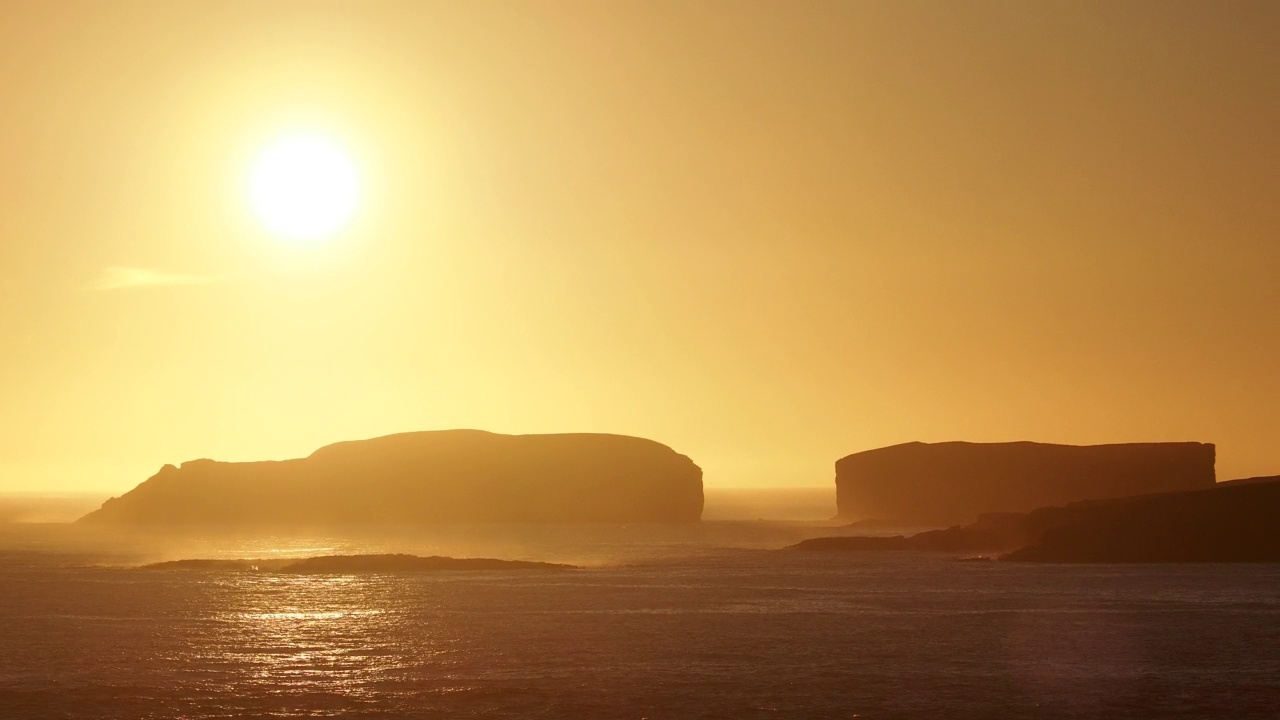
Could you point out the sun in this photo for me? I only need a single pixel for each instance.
(304, 188)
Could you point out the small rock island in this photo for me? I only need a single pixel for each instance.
(951, 483)
(354, 564)
(448, 476)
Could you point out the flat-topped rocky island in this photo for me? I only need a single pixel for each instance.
(450, 476)
(950, 483)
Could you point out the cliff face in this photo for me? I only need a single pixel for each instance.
(952, 483)
(453, 476)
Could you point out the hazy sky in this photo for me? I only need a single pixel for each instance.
(768, 234)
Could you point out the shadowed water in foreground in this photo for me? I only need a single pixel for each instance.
(707, 625)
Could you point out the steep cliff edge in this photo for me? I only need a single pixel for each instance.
(953, 482)
(451, 476)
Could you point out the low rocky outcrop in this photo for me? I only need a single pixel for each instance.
(453, 476)
(951, 483)
(992, 533)
(1251, 480)
(1235, 523)
(352, 564)
(1229, 522)
(856, 543)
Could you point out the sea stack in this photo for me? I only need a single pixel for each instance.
(951, 483)
(450, 476)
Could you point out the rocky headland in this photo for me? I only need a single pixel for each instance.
(452, 476)
(1250, 480)
(1229, 522)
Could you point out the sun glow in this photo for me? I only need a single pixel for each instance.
(304, 188)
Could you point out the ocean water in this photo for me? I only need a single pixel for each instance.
(705, 621)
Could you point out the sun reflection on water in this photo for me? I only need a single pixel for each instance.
(342, 636)
(329, 615)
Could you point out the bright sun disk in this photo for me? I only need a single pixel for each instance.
(304, 188)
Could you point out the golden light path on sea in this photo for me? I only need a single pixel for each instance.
(339, 635)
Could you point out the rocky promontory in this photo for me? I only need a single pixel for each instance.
(450, 476)
(1234, 523)
(1229, 522)
(952, 483)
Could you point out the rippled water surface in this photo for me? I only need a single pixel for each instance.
(661, 623)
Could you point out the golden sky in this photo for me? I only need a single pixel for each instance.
(768, 234)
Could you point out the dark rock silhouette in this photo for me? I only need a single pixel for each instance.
(992, 533)
(1225, 523)
(452, 476)
(350, 564)
(203, 564)
(953, 482)
(1236, 523)
(1251, 480)
(855, 543)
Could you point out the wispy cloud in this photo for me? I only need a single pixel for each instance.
(125, 278)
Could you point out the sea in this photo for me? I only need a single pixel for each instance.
(706, 620)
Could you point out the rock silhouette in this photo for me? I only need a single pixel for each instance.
(1236, 523)
(1229, 522)
(1251, 480)
(451, 476)
(952, 483)
(351, 564)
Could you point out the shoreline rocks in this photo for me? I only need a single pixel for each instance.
(1226, 523)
